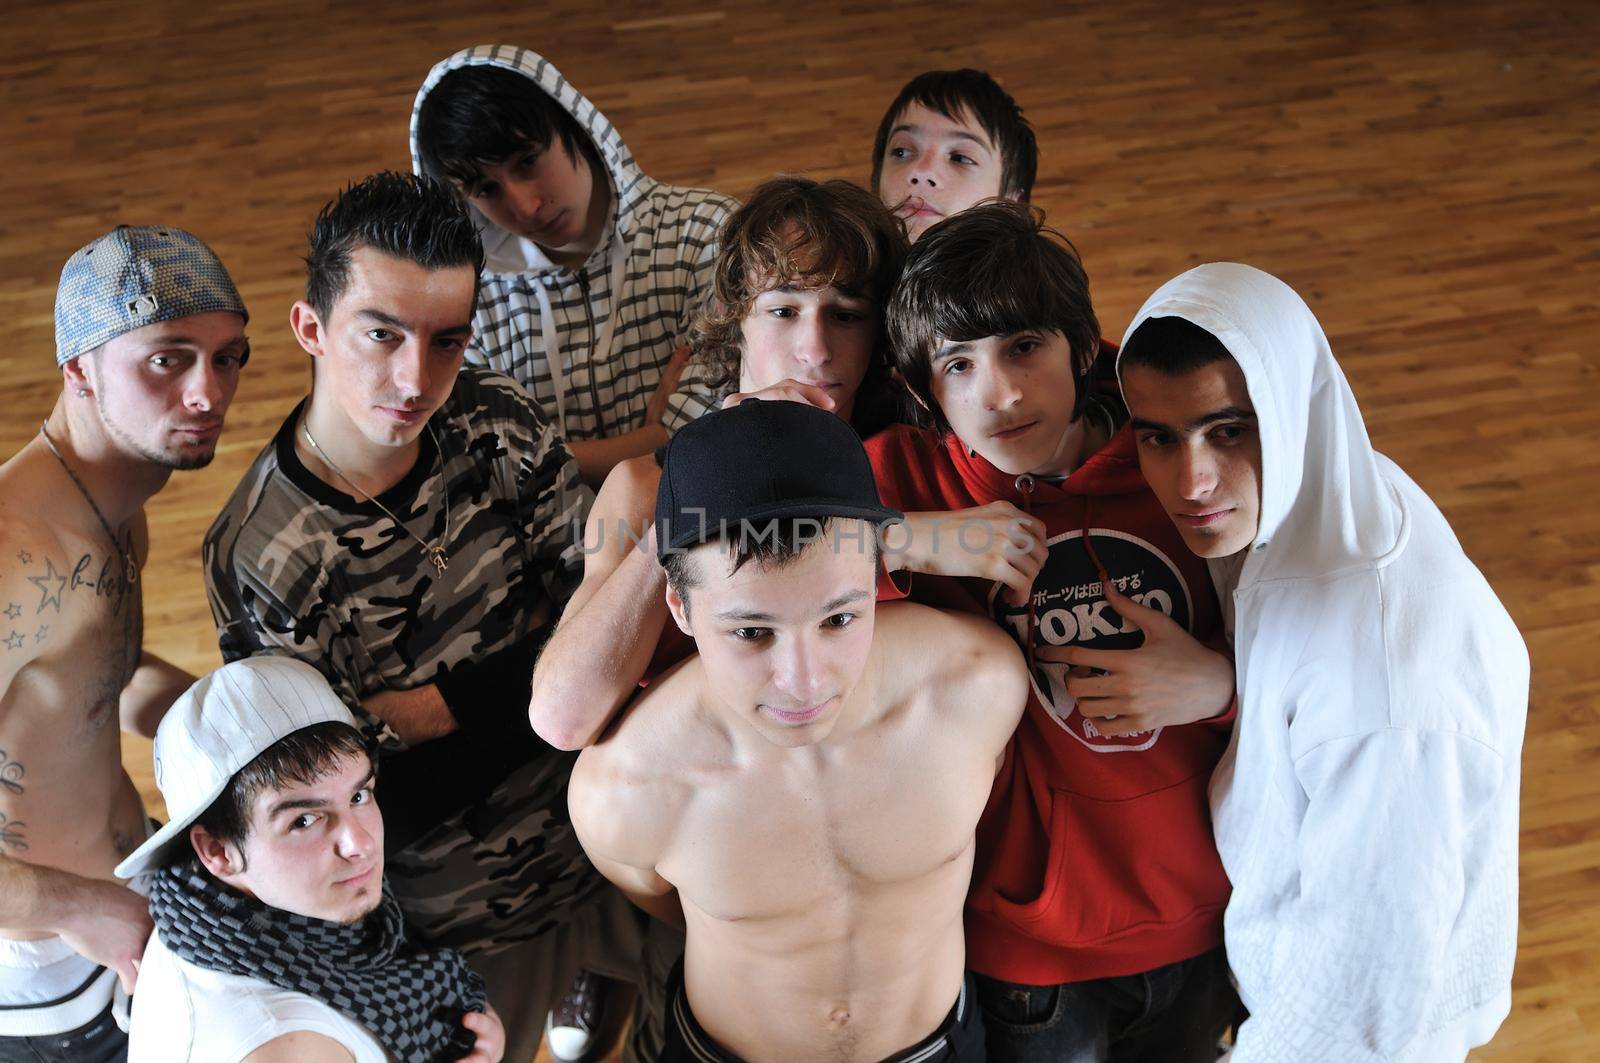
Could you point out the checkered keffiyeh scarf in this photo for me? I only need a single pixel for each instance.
(412, 999)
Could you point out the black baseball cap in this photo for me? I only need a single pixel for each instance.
(758, 461)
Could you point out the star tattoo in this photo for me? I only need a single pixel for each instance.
(25, 557)
(15, 640)
(47, 596)
(43, 628)
(13, 611)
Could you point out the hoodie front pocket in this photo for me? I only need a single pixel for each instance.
(1119, 867)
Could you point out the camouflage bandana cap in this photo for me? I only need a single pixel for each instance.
(135, 276)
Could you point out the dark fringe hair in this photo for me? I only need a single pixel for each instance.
(771, 544)
(298, 759)
(846, 238)
(1172, 346)
(477, 116)
(951, 92)
(991, 270)
(413, 218)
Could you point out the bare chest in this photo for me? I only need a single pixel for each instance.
(64, 798)
(762, 845)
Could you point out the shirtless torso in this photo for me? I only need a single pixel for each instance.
(822, 885)
(143, 393)
(69, 643)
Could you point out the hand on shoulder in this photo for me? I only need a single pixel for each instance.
(996, 542)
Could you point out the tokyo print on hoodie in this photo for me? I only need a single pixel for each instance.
(592, 359)
(1366, 808)
(1094, 857)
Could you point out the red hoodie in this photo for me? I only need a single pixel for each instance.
(1095, 856)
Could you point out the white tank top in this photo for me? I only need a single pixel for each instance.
(183, 1013)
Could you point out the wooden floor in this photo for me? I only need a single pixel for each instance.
(1427, 175)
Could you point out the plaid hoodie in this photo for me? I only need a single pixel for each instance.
(669, 236)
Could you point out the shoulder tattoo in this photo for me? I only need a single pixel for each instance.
(22, 619)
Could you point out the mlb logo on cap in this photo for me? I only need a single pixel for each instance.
(136, 276)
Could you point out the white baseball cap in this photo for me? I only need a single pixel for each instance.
(218, 726)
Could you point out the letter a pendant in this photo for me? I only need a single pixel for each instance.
(440, 561)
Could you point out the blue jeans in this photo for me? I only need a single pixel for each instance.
(1173, 1014)
(99, 1040)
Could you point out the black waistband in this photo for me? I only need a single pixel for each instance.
(702, 1048)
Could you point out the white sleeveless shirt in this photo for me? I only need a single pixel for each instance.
(183, 1013)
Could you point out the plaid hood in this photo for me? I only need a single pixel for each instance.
(506, 252)
(614, 322)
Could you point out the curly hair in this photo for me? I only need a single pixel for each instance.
(814, 234)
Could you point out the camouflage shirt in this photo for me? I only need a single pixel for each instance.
(487, 856)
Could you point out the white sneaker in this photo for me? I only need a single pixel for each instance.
(570, 1029)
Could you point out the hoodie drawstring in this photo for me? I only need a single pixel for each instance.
(1024, 486)
(602, 345)
(1088, 546)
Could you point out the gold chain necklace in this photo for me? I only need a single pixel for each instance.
(130, 567)
(433, 552)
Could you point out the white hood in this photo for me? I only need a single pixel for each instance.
(1324, 504)
(1366, 808)
(506, 252)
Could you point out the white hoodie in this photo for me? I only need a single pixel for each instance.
(608, 355)
(1366, 808)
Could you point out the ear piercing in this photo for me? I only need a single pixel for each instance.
(83, 393)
